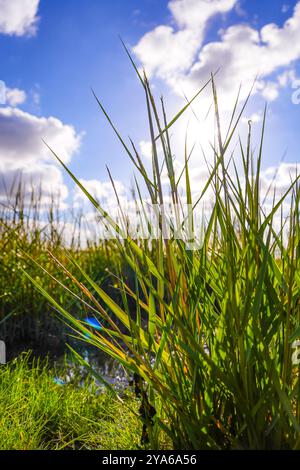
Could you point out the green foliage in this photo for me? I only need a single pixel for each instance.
(28, 234)
(210, 333)
(37, 413)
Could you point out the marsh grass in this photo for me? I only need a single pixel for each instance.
(37, 413)
(26, 227)
(209, 339)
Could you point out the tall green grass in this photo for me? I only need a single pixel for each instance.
(209, 338)
(29, 231)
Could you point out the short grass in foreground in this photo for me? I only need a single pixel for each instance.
(37, 413)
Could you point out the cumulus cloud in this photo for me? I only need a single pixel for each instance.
(193, 14)
(18, 17)
(21, 137)
(183, 62)
(102, 191)
(168, 50)
(24, 157)
(279, 177)
(146, 149)
(244, 52)
(44, 180)
(15, 96)
(178, 54)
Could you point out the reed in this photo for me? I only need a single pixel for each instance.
(209, 338)
(35, 229)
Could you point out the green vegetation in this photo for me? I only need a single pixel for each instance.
(38, 413)
(26, 319)
(206, 333)
(210, 336)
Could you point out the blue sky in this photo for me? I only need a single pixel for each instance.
(52, 52)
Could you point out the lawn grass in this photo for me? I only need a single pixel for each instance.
(37, 413)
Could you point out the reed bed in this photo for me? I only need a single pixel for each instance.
(26, 227)
(206, 333)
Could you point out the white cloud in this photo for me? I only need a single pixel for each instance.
(24, 157)
(167, 50)
(180, 59)
(193, 14)
(164, 51)
(146, 149)
(42, 179)
(280, 177)
(21, 137)
(287, 77)
(15, 96)
(18, 17)
(270, 91)
(253, 118)
(102, 191)
(244, 52)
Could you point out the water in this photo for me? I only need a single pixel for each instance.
(110, 370)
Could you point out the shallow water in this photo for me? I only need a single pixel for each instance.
(107, 368)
